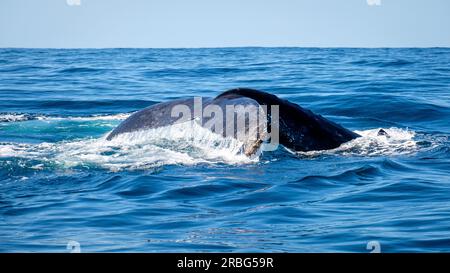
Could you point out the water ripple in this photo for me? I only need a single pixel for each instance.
(156, 191)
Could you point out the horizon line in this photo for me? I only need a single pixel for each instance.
(231, 47)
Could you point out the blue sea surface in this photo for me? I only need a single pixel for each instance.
(61, 183)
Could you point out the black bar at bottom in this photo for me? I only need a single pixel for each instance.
(219, 262)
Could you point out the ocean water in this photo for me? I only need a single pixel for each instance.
(62, 184)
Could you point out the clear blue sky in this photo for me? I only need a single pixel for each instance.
(214, 23)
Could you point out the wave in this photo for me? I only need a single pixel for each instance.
(185, 144)
(19, 117)
(396, 142)
(383, 63)
(65, 107)
(15, 117)
(80, 70)
(90, 118)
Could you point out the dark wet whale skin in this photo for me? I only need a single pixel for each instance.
(300, 129)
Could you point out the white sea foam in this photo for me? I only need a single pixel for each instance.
(13, 117)
(396, 142)
(18, 117)
(89, 118)
(186, 143)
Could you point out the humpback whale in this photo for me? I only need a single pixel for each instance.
(297, 128)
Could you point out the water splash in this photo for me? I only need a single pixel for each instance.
(19, 117)
(397, 141)
(14, 117)
(185, 143)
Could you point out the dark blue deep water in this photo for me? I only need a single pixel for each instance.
(60, 181)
